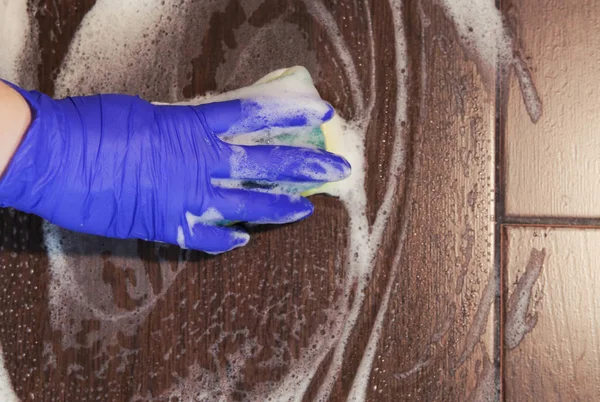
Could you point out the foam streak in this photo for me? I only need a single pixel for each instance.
(322, 14)
(361, 267)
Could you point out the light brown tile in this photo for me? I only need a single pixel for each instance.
(553, 167)
(552, 314)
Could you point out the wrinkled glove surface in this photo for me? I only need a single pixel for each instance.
(119, 166)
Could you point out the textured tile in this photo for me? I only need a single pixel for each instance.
(552, 314)
(553, 167)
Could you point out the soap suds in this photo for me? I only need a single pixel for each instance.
(320, 171)
(13, 30)
(181, 237)
(240, 165)
(209, 217)
(358, 392)
(117, 38)
(365, 240)
(481, 29)
(330, 25)
(77, 295)
(6, 391)
(519, 319)
(292, 217)
(17, 61)
(276, 111)
(531, 98)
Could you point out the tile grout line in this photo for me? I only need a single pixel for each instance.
(499, 211)
(498, 224)
(590, 223)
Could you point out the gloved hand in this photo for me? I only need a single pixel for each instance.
(119, 166)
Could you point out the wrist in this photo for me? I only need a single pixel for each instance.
(29, 168)
(15, 118)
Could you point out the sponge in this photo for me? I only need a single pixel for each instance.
(292, 82)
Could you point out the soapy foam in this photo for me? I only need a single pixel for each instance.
(273, 136)
(241, 236)
(291, 217)
(519, 320)
(262, 48)
(152, 28)
(240, 165)
(210, 216)
(531, 98)
(272, 111)
(358, 390)
(320, 171)
(6, 391)
(281, 83)
(362, 262)
(181, 237)
(324, 16)
(13, 31)
(68, 291)
(518, 324)
(482, 30)
(16, 32)
(491, 43)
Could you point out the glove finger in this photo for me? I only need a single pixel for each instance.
(211, 239)
(220, 116)
(232, 204)
(250, 115)
(281, 163)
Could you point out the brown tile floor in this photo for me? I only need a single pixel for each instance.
(242, 323)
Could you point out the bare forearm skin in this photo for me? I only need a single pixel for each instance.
(15, 117)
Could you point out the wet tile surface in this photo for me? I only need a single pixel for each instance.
(552, 167)
(552, 314)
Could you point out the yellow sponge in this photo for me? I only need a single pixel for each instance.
(327, 137)
(287, 82)
(332, 136)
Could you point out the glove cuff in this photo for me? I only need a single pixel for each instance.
(22, 184)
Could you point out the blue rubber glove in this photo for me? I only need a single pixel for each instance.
(119, 166)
